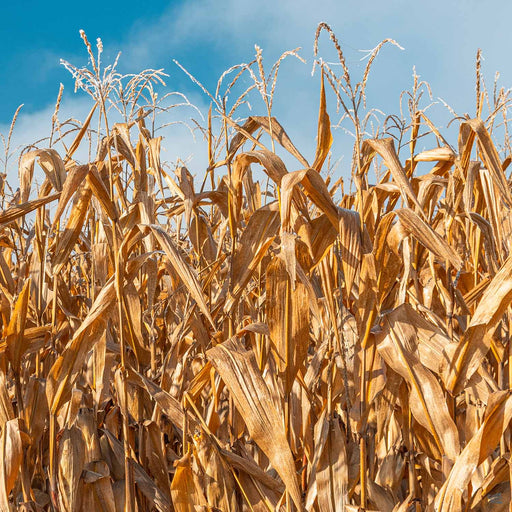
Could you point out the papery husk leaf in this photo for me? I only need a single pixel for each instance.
(11, 456)
(491, 158)
(288, 320)
(474, 345)
(319, 235)
(427, 401)
(252, 247)
(217, 480)
(253, 399)
(329, 474)
(100, 192)
(169, 405)
(185, 492)
(144, 482)
(156, 458)
(97, 493)
(71, 460)
(422, 232)
(73, 230)
(6, 408)
(65, 370)
(443, 154)
(351, 246)
(183, 269)
(496, 420)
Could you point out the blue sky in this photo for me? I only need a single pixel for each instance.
(440, 38)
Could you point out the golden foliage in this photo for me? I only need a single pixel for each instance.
(169, 346)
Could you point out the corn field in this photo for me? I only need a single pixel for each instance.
(257, 338)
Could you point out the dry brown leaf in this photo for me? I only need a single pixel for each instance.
(386, 149)
(329, 473)
(169, 405)
(73, 229)
(6, 409)
(50, 162)
(183, 269)
(274, 128)
(443, 154)
(66, 368)
(239, 370)
(71, 459)
(463, 361)
(11, 456)
(351, 246)
(185, 491)
(491, 158)
(14, 335)
(99, 189)
(217, 480)
(420, 230)
(74, 179)
(496, 420)
(142, 479)
(252, 247)
(324, 136)
(97, 492)
(15, 212)
(426, 401)
(288, 320)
